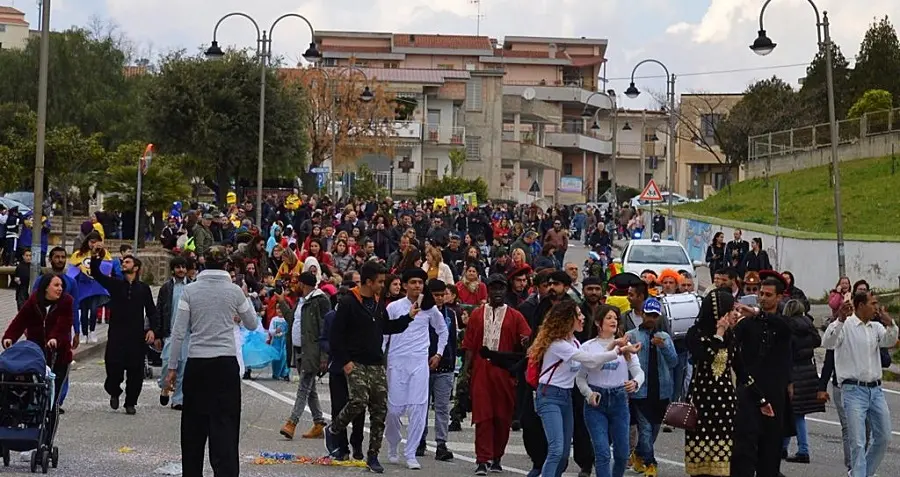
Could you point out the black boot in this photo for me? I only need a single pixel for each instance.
(455, 426)
(442, 453)
(420, 450)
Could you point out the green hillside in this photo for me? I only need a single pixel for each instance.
(870, 190)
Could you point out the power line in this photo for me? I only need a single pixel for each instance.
(716, 72)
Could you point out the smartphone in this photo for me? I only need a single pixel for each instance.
(749, 300)
(239, 279)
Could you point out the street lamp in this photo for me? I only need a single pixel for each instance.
(632, 92)
(763, 46)
(264, 54)
(588, 115)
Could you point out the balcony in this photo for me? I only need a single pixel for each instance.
(559, 93)
(407, 130)
(530, 111)
(531, 155)
(633, 149)
(437, 134)
(574, 135)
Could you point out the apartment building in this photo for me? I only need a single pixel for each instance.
(647, 129)
(700, 165)
(13, 28)
(515, 108)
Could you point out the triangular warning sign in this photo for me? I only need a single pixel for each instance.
(535, 188)
(651, 193)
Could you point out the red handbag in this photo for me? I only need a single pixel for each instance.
(533, 373)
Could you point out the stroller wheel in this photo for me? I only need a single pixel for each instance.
(45, 461)
(34, 461)
(54, 457)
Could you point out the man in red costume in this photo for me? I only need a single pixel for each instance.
(493, 328)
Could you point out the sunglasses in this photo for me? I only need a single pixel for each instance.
(751, 289)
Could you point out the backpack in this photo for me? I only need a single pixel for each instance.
(533, 373)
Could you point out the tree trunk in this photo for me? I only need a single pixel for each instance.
(65, 197)
(222, 185)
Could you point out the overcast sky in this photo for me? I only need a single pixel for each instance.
(692, 37)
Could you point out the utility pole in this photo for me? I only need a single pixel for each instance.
(37, 218)
(643, 153)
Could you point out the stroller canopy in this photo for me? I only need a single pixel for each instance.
(24, 357)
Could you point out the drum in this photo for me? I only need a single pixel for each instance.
(681, 310)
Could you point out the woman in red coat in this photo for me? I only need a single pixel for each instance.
(46, 319)
(471, 290)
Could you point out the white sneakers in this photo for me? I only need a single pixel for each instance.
(92, 337)
(413, 465)
(393, 458)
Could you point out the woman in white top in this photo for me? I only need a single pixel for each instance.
(435, 267)
(606, 391)
(559, 352)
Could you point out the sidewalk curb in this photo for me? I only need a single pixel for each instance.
(89, 351)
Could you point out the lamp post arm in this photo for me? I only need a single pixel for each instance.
(238, 14)
(312, 31)
(651, 60)
(762, 12)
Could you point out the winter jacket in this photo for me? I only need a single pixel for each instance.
(448, 354)
(804, 340)
(312, 317)
(31, 322)
(557, 238)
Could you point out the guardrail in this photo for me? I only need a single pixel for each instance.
(790, 141)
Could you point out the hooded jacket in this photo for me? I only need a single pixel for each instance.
(312, 316)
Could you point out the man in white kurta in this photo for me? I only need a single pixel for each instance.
(408, 366)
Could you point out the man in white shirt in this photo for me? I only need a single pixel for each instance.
(408, 365)
(856, 340)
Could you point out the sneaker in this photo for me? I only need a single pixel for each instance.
(342, 456)
(288, 429)
(798, 458)
(636, 463)
(516, 426)
(481, 469)
(372, 463)
(114, 402)
(585, 473)
(86, 339)
(442, 453)
(92, 337)
(358, 454)
(420, 451)
(413, 465)
(315, 431)
(534, 473)
(495, 467)
(455, 426)
(332, 444)
(177, 407)
(130, 410)
(651, 471)
(393, 457)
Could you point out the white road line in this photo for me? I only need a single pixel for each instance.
(275, 394)
(890, 391)
(823, 421)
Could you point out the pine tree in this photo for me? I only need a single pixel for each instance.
(813, 101)
(878, 61)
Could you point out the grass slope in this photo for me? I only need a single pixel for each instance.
(870, 200)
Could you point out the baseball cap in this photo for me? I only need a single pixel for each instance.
(652, 305)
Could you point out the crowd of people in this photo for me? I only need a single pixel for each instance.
(475, 312)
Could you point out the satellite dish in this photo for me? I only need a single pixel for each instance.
(528, 94)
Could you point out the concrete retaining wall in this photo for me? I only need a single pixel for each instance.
(869, 146)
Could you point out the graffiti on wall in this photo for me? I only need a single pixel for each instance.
(697, 237)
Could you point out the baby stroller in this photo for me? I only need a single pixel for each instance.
(28, 410)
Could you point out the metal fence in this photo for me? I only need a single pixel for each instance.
(791, 141)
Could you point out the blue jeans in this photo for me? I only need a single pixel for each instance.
(554, 406)
(647, 434)
(178, 396)
(609, 422)
(862, 403)
(802, 436)
(681, 374)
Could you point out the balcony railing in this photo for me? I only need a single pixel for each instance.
(402, 180)
(443, 135)
(578, 127)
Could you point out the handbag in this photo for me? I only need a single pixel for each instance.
(681, 415)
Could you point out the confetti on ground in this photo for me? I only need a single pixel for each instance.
(274, 458)
(125, 450)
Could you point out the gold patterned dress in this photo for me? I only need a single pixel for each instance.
(707, 449)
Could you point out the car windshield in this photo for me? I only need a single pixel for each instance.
(657, 255)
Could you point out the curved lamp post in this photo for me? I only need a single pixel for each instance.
(762, 46)
(264, 54)
(591, 116)
(632, 92)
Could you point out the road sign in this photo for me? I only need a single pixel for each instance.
(319, 170)
(535, 188)
(320, 180)
(651, 192)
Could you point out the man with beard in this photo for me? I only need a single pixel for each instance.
(409, 364)
(518, 288)
(494, 327)
(130, 299)
(763, 361)
(167, 310)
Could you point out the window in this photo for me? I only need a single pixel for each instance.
(445, 66)
(604, 175)
(473, 148)
(329, 62)
(474, 94)
(708, 124)
(392, 65)
(361, 64)
(2, 27)
(567, 169)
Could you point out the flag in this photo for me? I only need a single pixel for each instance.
(79, 269)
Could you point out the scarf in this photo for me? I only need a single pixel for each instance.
(493, 324)
(472, 286)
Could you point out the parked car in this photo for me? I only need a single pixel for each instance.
(677, 199)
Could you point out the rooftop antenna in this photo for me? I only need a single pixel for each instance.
(478, 16)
